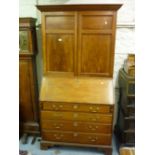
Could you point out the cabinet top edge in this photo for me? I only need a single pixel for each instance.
(78, 7)
(27, 22)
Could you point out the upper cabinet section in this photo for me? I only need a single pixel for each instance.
(79, 39)
(27, 42)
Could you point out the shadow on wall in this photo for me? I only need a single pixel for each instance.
(39, 60)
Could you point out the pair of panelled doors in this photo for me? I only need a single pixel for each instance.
(81, 43)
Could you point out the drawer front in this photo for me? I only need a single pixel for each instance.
(77, 107)
(75, 137)
(74, 116)
(57, 136)
(76, 126)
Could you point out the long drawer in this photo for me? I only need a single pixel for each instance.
(77, 107)
(76, 126)
(76, 116)
(75, 137)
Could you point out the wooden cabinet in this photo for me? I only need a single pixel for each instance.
(76, 111)
(77, 97)
(28, 93)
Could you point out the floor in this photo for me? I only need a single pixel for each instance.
(60, 150)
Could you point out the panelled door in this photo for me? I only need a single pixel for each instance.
(95, 43)
(60, 41)
(79, 42)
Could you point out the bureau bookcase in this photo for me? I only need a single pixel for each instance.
(77, 96)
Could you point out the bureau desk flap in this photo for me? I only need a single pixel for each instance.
(77, 89)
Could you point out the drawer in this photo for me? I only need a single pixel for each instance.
(76, 126)
(57, 136)
(75, 116)
(77, 107)
(76, 137)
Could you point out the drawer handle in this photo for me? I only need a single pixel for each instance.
(75, 134)
(92, 127)
(94, 110)
(93, 139)
(75, 106)
(75, 124)
(58, 126)
(56, 107)
(95, 119)
(58, 136)
(60, 106)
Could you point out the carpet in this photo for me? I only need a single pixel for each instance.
(22, 152)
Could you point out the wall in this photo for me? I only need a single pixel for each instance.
(124, 33)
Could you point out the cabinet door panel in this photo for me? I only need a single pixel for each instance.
(25, 98)
(60, 48)
(95, 53)
(97, 22)
(60, 22)
(96, 43)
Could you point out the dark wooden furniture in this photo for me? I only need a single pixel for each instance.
(28, 92)
(127, 151)
(76, 96)
(125, 127)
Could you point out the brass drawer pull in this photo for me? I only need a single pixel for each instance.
(57, 107)
(93, 139)
(92, 127)
(96, 118)
(60, 106)
(95, 109)
(75, 124)
(75, 106)
(58, 126)
(58, 137)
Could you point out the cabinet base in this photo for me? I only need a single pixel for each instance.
(44, 145)
(31, 128)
